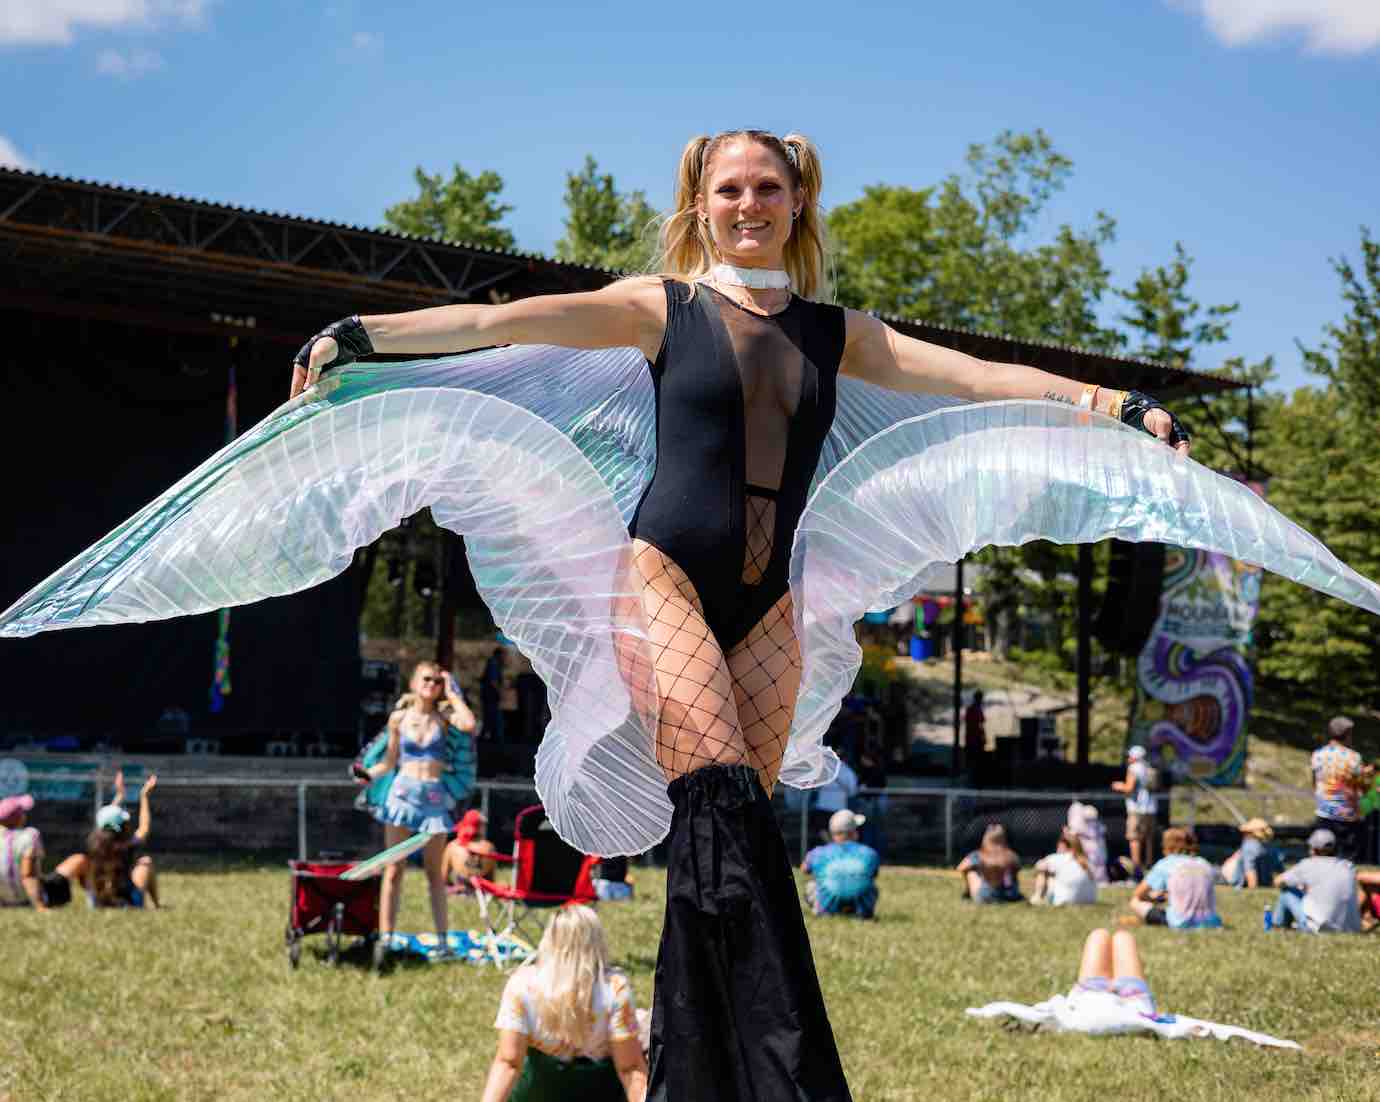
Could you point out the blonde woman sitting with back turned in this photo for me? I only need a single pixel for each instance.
(567, 1025)
(1065, 877)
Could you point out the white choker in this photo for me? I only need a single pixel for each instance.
(759, 279)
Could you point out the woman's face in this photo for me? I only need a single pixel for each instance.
(749, 201)
(429, 683)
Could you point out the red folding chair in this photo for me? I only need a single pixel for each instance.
(547, 873)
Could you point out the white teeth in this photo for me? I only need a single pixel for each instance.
(749, 225)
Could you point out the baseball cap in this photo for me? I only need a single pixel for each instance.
(1322, 838)
(112, 817)
(1339, 727)
(841, 822)
(13, 805)
(1136, 753)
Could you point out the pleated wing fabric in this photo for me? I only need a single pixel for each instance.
(917, 496)
(538, 457)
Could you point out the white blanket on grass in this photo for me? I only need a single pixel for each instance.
(1103, 1014)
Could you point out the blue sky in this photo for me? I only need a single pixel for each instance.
(1244, 128)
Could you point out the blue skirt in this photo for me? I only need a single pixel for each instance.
(422, 806)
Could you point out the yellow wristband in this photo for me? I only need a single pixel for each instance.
(1089, 395)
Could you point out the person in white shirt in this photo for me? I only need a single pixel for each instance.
(1065, 877)
(1140, 809)
(1319, 894)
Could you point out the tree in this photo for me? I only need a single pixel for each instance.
(1323, 455)
(957, 253)
(463, 209)
(604, 227)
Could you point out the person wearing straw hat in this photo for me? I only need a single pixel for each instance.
(1256, 863)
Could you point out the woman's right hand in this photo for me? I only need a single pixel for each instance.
(359, 773)
(340, 343)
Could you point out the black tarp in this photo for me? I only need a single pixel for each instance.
(98, 418)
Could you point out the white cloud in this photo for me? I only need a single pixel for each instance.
(55, 22)
(365, 40)
(10, 157)
(1328, 26)
(128, 64)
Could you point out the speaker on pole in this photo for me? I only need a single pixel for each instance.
(1131, 603)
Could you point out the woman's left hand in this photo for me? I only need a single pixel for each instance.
(1142, 412)
(149, 785)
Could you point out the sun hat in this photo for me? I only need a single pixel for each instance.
(1339, 727)
(112, 817)
(844, 822)
(1257, 828)
(1322, 838)
(1136, 753)
(13, 805)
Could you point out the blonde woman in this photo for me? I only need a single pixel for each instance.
(567, 1024)
(426, 764)
(1065, 877)
(745, 364)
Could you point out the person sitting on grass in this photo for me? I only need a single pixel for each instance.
(1368, 884)
(21, 856)
(1112, 996)
(1178, 890)
(1320, 893)
(1065, 877)
(1256, 863)
(567, 1024)
(1085, 821)
(991, 873)
(109, 871)
(470, 854)
(841, 877)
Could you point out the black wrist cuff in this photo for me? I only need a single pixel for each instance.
(1137, 404)
(352, 342)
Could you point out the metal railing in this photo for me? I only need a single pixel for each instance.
(247, 815)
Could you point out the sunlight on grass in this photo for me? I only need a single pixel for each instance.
(198, 1002)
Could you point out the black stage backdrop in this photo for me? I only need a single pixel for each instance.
(98, 418)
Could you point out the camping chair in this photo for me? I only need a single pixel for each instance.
(547, 873)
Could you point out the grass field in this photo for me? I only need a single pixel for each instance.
(198, 1002)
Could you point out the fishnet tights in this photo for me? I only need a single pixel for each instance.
(760, 514)
(711, 709)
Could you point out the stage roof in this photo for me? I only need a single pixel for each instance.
(82, 249)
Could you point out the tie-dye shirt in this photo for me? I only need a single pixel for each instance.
(1337, 782)
(615, 1015)
(15, 846)
(1188, 881)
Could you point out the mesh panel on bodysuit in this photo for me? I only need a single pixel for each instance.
(714, 708)
(772, 370)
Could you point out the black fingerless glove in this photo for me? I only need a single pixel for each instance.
(351, 341)
(1136, 405)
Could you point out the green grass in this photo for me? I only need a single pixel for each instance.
(198, 1002)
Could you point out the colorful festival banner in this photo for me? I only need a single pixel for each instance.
(1194, 682)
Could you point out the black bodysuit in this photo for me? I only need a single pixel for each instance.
(743, 404)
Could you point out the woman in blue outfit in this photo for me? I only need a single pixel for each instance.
(431, 722)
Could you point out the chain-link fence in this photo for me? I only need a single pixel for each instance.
(244, 817)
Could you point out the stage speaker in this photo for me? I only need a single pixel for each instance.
(1131, 603)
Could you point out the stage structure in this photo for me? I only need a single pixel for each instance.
(124, 311)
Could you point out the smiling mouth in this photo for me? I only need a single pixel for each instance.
(749, 227)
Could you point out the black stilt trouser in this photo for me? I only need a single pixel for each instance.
(737, 1015)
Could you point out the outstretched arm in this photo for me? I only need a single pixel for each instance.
(141, 832)
(629, 313)
(876, 353)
